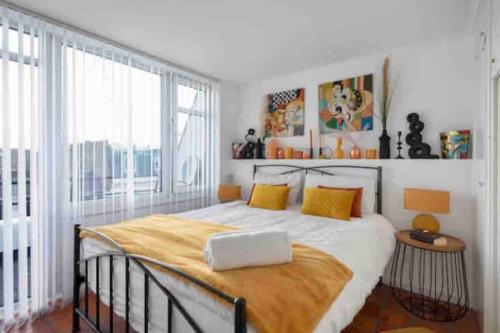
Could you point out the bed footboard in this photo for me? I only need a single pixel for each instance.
(95, 324)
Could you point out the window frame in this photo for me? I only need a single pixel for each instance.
(146, 199)
(170, 192)
(187, 190)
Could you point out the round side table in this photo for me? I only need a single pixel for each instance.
(428, 280)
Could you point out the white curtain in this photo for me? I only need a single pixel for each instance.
(19, 123)
(195, 106)
(91, 134)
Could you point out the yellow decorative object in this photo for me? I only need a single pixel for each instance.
(269, 197)
(426, 201)
(371, 154)
(229, 192)
(179, 242)
(336, 204)
(289, 153)
(425, 222)
(339, 153)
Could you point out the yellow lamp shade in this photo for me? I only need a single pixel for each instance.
(427, 201)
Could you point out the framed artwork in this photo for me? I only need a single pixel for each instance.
(455, 144)
(346, 105)
(284, 114)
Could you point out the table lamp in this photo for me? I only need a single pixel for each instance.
(426, 201)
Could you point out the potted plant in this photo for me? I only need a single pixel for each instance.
(387, 95)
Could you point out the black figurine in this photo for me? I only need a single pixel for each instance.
(250, 136)
(248, 151)
(399, 143)
(417, 149)
(259, 149)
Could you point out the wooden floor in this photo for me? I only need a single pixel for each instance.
(381, 312)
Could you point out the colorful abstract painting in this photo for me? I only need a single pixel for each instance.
(284, 114)
(455, 144)
(346, 105)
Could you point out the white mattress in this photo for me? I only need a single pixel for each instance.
(365, 245)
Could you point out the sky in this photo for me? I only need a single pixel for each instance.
(101, 96)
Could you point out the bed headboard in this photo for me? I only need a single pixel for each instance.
(329, 170)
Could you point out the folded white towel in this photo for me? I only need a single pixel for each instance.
(236, 249)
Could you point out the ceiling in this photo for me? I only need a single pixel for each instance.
(242, 41)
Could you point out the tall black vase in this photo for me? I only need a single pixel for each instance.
(385, 145)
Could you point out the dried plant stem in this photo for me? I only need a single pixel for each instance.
(387, 93)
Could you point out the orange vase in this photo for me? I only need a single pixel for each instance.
(355, 153)
(339, 153)
(272, 149)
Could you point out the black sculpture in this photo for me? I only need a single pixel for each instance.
(399, 143)
(259, 149)
(248, 151)
(418, 149)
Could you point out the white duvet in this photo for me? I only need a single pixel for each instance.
(365, 245)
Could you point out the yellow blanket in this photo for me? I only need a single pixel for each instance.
(282, 298)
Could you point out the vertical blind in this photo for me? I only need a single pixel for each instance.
(91, 134)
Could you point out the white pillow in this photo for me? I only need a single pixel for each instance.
(368, 185)
(293, 180)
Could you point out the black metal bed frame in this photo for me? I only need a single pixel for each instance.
(239, 303)
(79, 279)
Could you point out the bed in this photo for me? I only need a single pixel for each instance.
(365, 245)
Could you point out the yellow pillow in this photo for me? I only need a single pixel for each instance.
(329, 203)
(269, 197)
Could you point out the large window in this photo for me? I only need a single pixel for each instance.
(115, 110)
(90, 133)
(116, 113)
(191, 133)
(22, 97)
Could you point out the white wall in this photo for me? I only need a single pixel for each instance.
(435, 81)
(479, 179)
(230, 106)
(438, 80)
(485, 23)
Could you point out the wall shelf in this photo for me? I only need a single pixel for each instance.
(352, 162)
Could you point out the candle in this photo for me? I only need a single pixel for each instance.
(371, 154)
(281, 154)
(272, 149)
(298, 154)
(320, 144)
(311, 143)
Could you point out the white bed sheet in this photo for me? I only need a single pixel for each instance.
(365, 245)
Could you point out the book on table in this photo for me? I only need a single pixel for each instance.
(429, 237)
